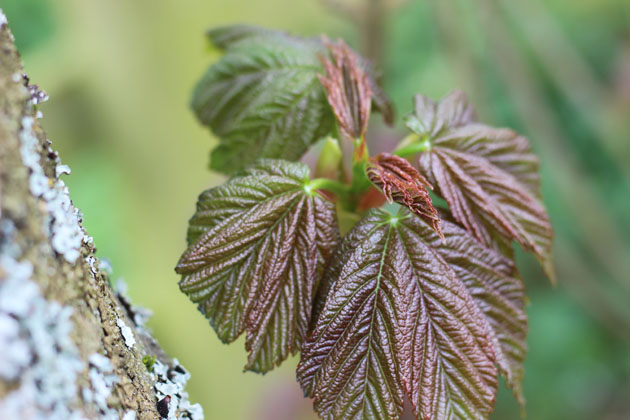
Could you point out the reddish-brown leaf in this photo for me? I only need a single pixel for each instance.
(502, 147)
(432, 119)
(401, 182)
(495, 285)
(488, 177)
(258, 248)
(397, 321)
(348, 89)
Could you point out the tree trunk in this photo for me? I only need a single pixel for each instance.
(70, 346)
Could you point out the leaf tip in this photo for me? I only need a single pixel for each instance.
(347, 88)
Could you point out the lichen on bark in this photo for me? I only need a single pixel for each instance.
(70, 347)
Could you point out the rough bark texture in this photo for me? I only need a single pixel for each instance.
(70, 346)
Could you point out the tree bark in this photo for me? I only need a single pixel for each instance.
(70, 346)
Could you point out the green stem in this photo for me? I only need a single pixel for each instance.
(328, 185)
(412, 145)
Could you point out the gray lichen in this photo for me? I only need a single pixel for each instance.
(138, 314)
(69, 347)
(102, 380)
(64, 228)
(169, 378)
(36, 348)
(172, 381)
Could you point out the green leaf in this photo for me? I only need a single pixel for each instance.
(262, 98)
(488, 177)
(229, 36)
(398, 321)
(258, 245)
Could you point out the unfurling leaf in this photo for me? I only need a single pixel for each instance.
(402, 183)
(400, 322)
(258, 245)
(347, 89)
(263, 98)
(487, 175)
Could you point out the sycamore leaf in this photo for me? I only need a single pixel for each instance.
(502, 147)
(487, 176)
(432, 119)
(398, 322)
(401, 182)
(347, 89)
(228, 36)
(495, 285)
(258, 245)
(263, 99)
(225, 37)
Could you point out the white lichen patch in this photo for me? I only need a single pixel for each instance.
(169, 380)
(36, 348)
(102, 380)
(62, 169)
(172, 381)
(126, 332)
(3, 19)
(129, 415)
(63, 219)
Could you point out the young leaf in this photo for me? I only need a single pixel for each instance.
(263, 98)
(258, 245)
(347, 89)
(349, 363)
(502, 147)
(495, 285)
(485, 175)
(398, 321)
(402, 183)
(432, 119)
(225, 37)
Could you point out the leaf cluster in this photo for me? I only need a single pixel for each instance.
(412, 303)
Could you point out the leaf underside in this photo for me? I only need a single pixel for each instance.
(257, 247)
(408, 316)
(488, 177)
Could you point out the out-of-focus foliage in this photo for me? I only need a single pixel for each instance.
(120, 74)
(32, 22)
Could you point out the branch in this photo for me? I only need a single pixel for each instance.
(70, 347)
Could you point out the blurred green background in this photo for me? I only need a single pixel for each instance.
(120, 74)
